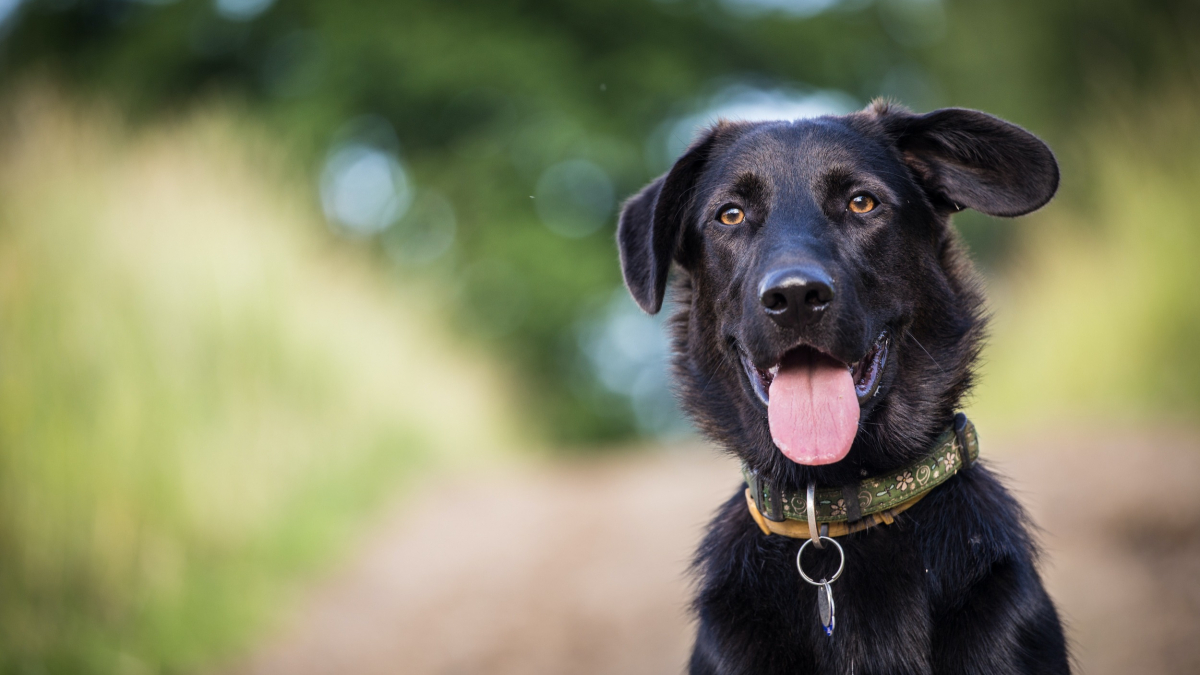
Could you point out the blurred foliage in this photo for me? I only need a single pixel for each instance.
(485, 95)
(1098, 316)
(199, 395)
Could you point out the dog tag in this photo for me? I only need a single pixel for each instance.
(824, 592)
(825, 607)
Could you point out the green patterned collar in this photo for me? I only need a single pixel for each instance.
(956, 448)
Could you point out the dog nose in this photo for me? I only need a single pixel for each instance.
(796, 296)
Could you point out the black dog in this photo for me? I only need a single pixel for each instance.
(827, 324)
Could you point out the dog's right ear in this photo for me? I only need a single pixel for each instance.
(651, 227)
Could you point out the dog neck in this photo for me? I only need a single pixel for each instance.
(872, 501)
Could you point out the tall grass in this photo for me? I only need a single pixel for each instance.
(1099, 315)
(200, 391)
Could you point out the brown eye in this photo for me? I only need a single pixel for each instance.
(862, 203)
(732, 215)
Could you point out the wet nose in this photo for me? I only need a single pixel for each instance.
(796, 296)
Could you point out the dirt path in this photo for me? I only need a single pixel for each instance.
(579, 568)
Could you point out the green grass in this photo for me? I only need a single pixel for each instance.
(201, 393)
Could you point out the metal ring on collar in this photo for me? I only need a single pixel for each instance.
(841, 562)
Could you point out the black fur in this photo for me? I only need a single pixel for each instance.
(951, 587)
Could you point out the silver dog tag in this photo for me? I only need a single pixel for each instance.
(824, 592)
(825, 607)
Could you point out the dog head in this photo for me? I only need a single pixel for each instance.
(827, 319)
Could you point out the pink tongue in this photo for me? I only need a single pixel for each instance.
(813, 410)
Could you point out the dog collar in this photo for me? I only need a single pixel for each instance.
(872, 501)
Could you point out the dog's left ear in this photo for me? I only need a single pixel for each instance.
(966, 158)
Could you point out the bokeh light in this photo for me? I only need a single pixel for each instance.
(364, 189)
(242, 10)
(7, 7)
(629, 353)
(740, 101)
(798, 8)
(574, 198)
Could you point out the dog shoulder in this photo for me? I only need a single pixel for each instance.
(971, 527)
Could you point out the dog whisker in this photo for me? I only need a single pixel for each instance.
(918, 343)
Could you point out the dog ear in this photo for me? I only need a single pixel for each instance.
(652, 223)
(966, 158)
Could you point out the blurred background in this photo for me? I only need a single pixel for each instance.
(314, 354)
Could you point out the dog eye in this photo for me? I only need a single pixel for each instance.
(862, 203)
(731, 215)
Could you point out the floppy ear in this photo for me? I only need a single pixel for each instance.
(966, 158)
(652, 223)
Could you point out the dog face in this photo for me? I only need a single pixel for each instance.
(827, 316)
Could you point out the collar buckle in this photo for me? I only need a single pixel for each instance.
(962, 441)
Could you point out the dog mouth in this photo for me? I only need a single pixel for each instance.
(814, 401)
(866, 373)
